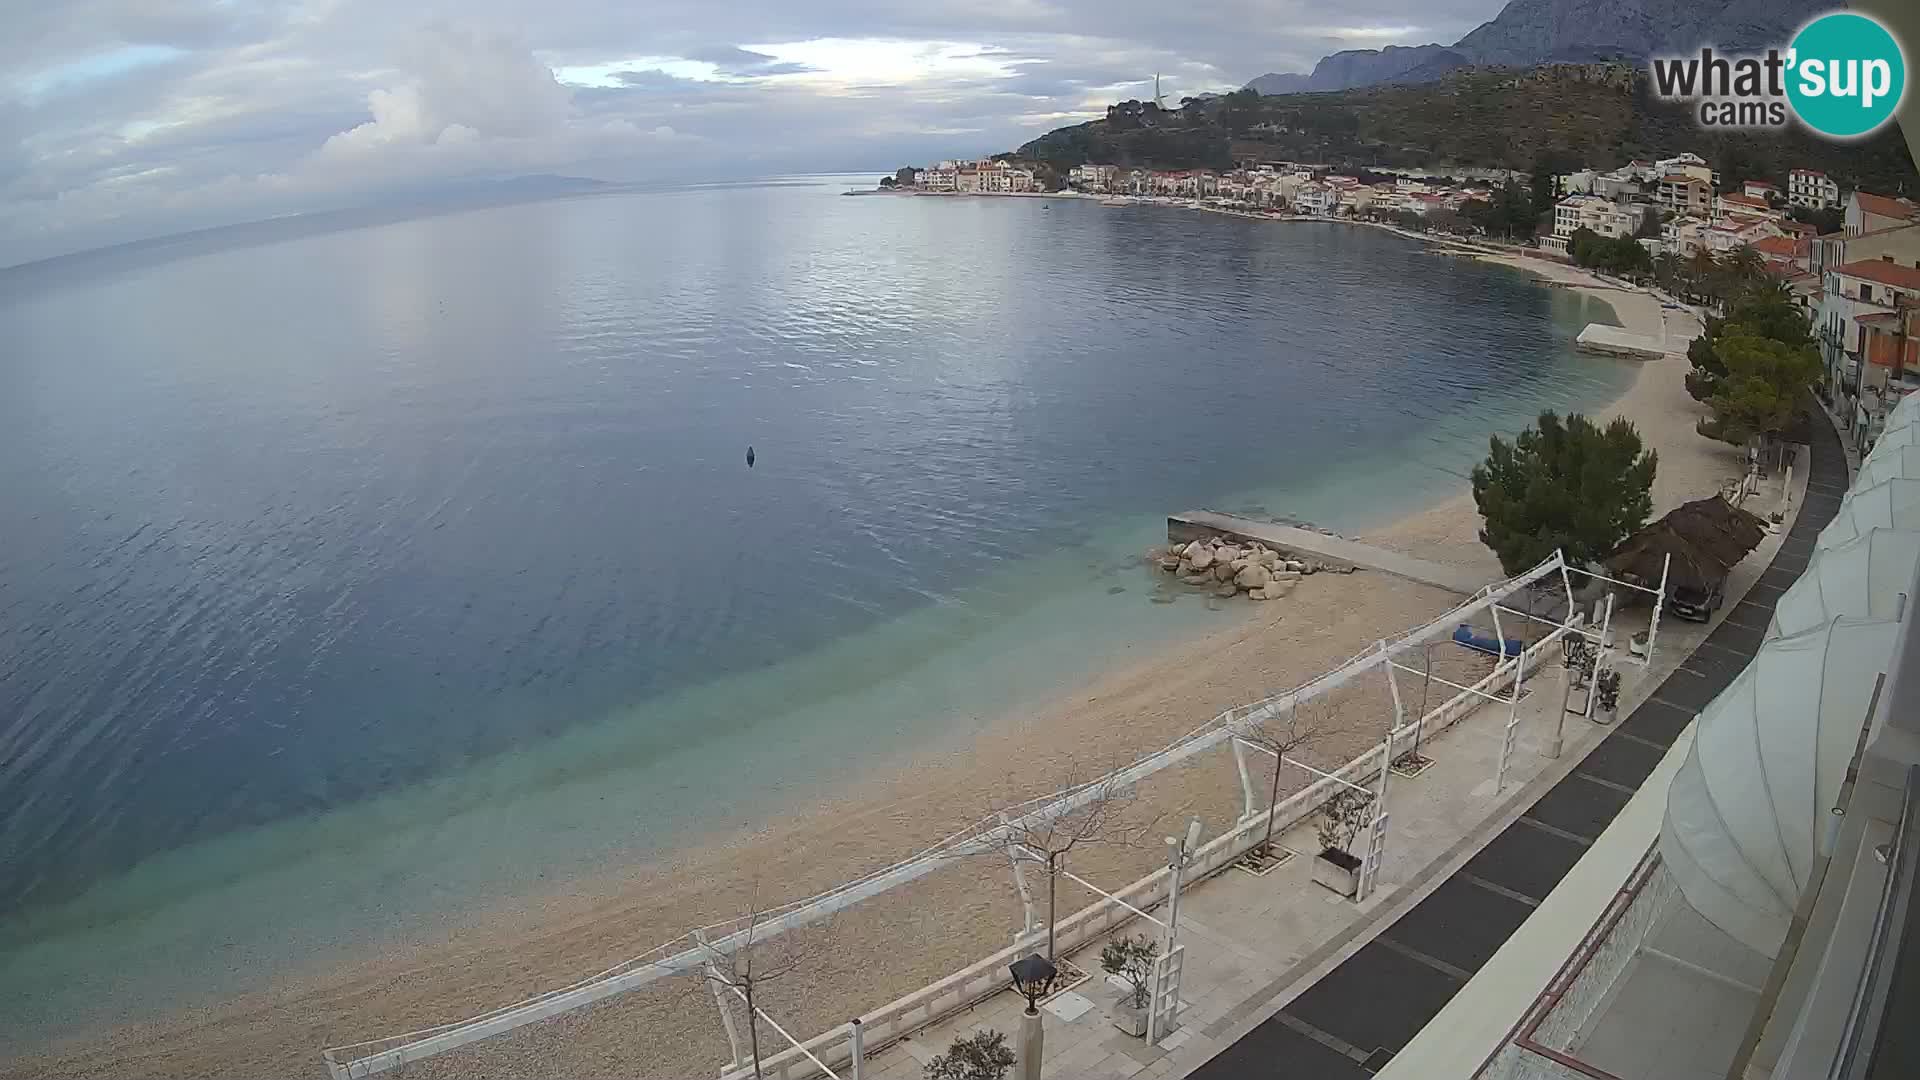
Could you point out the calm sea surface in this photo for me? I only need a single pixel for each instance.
(347, 579)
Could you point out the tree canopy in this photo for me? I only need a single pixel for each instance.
(1569, 485)
(1762, 385)
(1620, 255)
(1763, 345)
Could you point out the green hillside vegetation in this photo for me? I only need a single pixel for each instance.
(1557, 117)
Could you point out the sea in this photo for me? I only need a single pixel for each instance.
(357, 575)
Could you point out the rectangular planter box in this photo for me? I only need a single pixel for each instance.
(1338, 871)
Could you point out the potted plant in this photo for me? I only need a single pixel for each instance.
(1341, 818)
(1606, 695)
(983, 1055)
(1131, 958)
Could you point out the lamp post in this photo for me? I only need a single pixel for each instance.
(1032, 976)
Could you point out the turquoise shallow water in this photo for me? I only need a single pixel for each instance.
(365, 577)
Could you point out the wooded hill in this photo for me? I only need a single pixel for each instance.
(1560, 117)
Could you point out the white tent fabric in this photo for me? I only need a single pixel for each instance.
(1907, 435)
(1896, 463)
(1864, 576)
(1891, 504)
(1748, 809)
(1905, 411)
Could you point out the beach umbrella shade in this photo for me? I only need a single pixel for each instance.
(1705, 537)
(1748, 809)
(1889, 463)
(1890, 504)
(1864, 577)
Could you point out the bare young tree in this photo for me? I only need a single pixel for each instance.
(1279, 739)
(1099, 813)
(748, 959)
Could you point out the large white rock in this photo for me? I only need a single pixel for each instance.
(1253, 576)
(1199, 556)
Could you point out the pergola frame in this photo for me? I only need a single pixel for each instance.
(686, 955)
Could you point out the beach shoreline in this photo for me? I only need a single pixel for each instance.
(1130, 706)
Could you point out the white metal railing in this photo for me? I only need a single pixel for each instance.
(686, 954)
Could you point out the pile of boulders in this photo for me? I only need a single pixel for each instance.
(1230, 569)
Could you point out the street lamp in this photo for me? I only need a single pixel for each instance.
(1033, 976)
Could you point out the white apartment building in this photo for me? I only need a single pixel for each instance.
(1877, 269)
(1603, 216)
(1095, 178)
(1810, 187)
(1316, 198)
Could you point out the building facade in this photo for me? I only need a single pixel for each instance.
(1812, 188)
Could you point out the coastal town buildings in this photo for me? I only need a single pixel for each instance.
(1099, 179)
(981, 177)
(1862, 277)
(1811, 188)
(1684, 193)
(1867, 212)
(1603, 216)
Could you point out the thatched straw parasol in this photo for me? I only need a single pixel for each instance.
(1706, 537)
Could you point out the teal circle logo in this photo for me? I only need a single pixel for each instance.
(1846, 75)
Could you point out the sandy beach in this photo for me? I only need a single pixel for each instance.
(1139, 701)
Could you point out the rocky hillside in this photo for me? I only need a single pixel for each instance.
(1529, 32)
(1564, 116)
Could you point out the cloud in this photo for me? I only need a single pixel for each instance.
(128, 118)
(461, 85)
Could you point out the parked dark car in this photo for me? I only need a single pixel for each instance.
(1697, 604)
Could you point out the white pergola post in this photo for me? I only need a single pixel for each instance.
(1376, 828)
(1247, 811)
(1566, 580)
(857, 1047)
(1659, 603)
(1513, 714)
(714, 982)
(1026, 893)
(1399, 708)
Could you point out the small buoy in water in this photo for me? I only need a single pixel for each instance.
(749, 457)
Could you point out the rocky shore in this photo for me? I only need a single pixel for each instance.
(1229, 569)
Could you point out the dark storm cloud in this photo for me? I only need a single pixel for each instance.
(121, 118)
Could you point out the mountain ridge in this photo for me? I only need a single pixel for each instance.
(1530, 32)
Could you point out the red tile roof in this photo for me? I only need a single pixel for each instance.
(1881, 206)
(1784, 246)
(1769, 185)
(1886, 273)
(1753, 201)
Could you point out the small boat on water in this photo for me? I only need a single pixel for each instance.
(1115, 202)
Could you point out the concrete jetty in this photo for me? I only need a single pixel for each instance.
(1328, 550)
(1614, 341)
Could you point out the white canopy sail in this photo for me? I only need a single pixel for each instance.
(1896, 463)
(1905, 435)
(1747, 811)
(1890, 504)
(1865, 576)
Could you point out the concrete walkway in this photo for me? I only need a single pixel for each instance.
(1332, 550)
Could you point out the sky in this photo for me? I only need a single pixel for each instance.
(122, 119)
